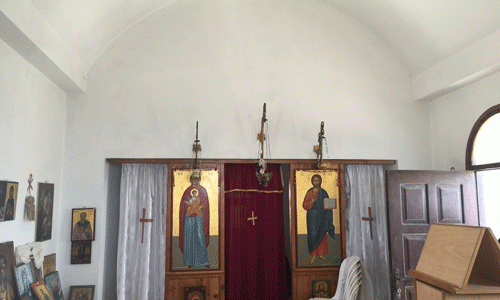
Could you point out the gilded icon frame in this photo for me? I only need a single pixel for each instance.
(78, 225)
(330, 182)
(209, 180)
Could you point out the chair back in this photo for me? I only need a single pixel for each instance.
(353, 281)
(349, 279)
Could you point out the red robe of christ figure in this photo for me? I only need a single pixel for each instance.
(319, 220)
(194, 223)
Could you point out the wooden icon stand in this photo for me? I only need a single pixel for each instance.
(459, 263)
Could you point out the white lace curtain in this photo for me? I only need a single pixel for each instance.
(365, 187)
(141, 258)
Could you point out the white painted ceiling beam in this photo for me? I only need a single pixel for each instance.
(24, 29)
(471, 64)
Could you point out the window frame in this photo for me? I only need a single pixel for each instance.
(472, 137)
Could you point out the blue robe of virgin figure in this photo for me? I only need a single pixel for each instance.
(319, 222)
(194, 229)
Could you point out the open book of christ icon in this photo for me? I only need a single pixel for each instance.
(329, 203)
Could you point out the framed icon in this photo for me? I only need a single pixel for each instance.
(45, 206)
(195, 220)
(318, 218)
(321, 289)
(8, 200)
(41, 290)
(194, 293)
(83, 224)
(49, 264)
(53, 283)
(77, 292)
(7, 262)
(81, 252)
(24, 279)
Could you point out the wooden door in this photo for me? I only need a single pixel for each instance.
(416, 199)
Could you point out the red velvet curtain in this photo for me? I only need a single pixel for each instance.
(255, 256)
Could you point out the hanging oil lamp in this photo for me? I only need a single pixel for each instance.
(262, 176)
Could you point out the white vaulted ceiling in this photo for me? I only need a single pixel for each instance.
(422, 33)
(425, 32)
(443, 44)
(89, 26)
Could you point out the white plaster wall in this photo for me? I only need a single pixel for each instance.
(32, 123)
(217, 62)
(452, 119)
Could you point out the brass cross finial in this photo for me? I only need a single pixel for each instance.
(196, 148)
(318, 149)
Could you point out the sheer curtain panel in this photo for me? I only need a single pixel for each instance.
(142, 232)
(365, 187)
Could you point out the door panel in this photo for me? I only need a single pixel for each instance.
(415, 204)
(413, 245)
(450, 203)
(416, 199)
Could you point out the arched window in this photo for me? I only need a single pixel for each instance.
(483, 147)
(483, 156)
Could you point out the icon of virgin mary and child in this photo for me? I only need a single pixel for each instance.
(194, 224)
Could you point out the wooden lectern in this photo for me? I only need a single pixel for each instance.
(458, 262)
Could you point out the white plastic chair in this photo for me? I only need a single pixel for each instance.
(353, 282)
(350, 279)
